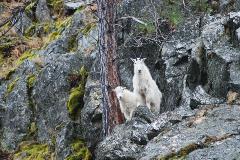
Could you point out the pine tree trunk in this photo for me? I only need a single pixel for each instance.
(107, 54)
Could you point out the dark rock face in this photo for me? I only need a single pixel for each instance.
(44, 103)
(52, 96)
(65, 137)
(195, 68)
(16, 109)
(91, 114)
(199, 65)
(199, 136)
(128, 144)
(16, 126)
(129, 139)
(201, 132)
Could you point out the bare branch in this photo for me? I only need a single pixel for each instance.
(133, 18)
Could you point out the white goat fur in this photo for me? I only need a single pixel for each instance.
(144, 85)
(128, 100)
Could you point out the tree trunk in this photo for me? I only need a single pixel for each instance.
(107, 54)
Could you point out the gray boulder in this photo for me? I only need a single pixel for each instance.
(17, 112)
(127, 140)
(22, 23)
(208, 130)
(51, 92)
(42, 12)
(91, 113)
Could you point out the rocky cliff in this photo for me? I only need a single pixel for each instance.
(50, 95)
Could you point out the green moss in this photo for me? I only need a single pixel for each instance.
(30, 30)
(11, 85)
(56, 5)
(79, 151)
(56, 29)
(47, 27)
(1, 59)
(72, 44)
(86, 30)
(31, 80)
(26, 55)
(75, 101)
(32, 151)
(30, 8)
(60, 25)
(32, 130)
(53, 36)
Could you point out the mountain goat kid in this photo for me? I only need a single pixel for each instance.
(144, 85)
(128, 101)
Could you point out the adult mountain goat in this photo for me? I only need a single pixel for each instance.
(144, 85)
(128, 100)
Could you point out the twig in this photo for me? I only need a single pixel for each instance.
(133, 18)
(184, 5)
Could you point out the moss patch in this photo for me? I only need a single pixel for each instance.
(30, 30)
(75, 101)
(56, 5)
(87, 29)
(72, 44)
(26, 55)
(1, 59)
(32, 151)
(79, 151)
(11, 85)
(31, 80)
(29, 10)
(32, 132)
(56, 29)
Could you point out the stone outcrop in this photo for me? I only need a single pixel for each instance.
(52, 99)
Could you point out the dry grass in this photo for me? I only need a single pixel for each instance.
(35, 43)
(8, 66)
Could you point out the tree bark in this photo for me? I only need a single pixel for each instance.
(107, 54)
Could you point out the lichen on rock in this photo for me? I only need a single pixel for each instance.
(11, 85)
(75, 101)
(33, 151)
(79, 151)
(31, 80)
(26, 55)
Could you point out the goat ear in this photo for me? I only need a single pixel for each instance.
(133, 59)
(144, 59)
